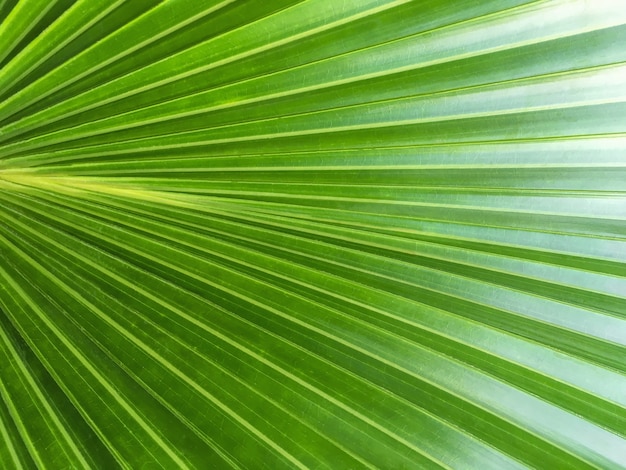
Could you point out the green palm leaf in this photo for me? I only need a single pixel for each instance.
(313, 234)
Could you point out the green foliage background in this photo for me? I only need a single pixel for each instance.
(313, 234)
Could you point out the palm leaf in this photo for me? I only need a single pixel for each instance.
(313, 234)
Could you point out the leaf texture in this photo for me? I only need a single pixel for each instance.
(313, 234)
